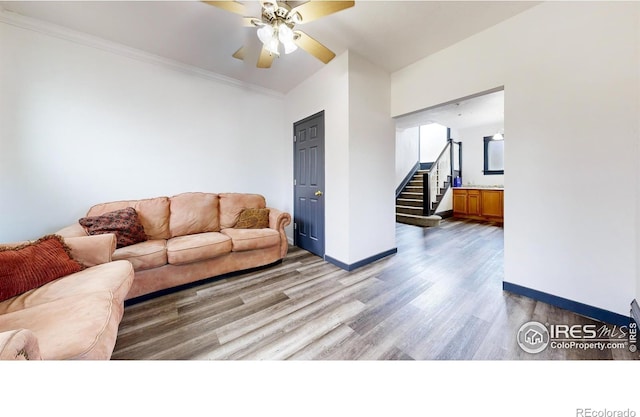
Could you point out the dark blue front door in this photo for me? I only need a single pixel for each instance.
(308, 209)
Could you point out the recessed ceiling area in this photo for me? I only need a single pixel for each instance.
(481, 110)
(390, 34)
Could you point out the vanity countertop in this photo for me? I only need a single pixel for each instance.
(480, 187)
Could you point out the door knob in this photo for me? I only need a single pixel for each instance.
(318, 193)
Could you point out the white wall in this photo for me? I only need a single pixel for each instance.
(433, 138)
(328, 90)
(472, 139)
(447, 201)
(566, 67)
(359, 150)
(80, 125)
(407, 151)
(371, 161)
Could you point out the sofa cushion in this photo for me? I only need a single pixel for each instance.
(32, 265)
(144, 255)
(231, 204)
(193, 248)
(81, 326)
(193, 213)
(92, 250)
(250, 239)
(123, 223)
(153, 214)
(253, 219)
(116, 277)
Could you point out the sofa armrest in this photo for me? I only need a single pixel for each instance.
(88, 250)
(75, 230)
(92, 250)
(278, 220)
(20, 344)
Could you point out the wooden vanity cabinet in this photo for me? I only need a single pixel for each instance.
(474, 199)
(479, 204)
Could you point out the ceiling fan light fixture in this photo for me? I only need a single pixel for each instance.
(269, 7)
(272, 35)
(266, 34)
(276, 22)
(294, 18)
(289, 47)
(272, 46)
(285, 34)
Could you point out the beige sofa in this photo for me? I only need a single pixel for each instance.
(74, 317)
(191, 236)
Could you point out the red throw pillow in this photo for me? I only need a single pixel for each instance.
(32, 265)
(124, 223)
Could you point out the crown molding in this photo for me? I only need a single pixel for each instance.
(60, 32)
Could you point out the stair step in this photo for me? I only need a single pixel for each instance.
(409, 210)
(409, 202)
(412, 189)
(413, 196)
(424, 221)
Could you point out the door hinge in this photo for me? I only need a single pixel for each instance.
(295, 139)
(295, 181)
(295, 225)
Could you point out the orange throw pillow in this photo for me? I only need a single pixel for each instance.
(32, 265)
(251, 218)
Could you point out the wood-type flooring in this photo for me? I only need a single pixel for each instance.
(439, 298)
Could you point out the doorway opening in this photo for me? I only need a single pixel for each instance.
(467, 122)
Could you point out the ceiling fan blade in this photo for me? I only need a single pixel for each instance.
(313, 47)
(313, 10)
(228, 5)
(239, 54)
(266, 58)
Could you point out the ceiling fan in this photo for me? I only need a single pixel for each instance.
(276, 26)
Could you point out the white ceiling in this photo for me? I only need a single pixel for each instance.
(390, 34)
(461, 114)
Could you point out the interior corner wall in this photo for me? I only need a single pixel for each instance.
(80, 125)
(566, 67)
(328, 91)
(371, 161)
(359, 154)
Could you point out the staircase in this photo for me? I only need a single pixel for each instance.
(417, 203)
(409, 204)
